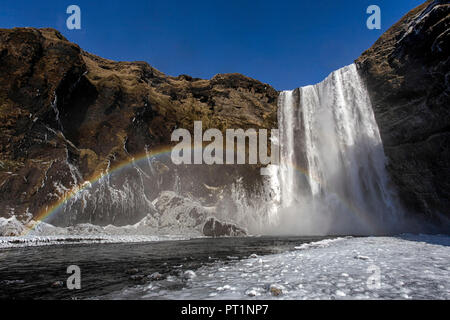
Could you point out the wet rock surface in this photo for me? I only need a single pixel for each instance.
(407, 74)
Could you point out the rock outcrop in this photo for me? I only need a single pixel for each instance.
(407, 72)
(179, 212)
(67, 116)
(215, 228)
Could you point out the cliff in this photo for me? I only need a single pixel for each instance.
(67, 115)
(407, 72)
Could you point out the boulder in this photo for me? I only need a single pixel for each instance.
(216, 228)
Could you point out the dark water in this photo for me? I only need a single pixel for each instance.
(31, 272)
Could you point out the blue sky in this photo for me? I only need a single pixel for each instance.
(284, 43)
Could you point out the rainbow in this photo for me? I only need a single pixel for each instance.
(49, 211)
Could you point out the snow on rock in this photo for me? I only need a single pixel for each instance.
(177, 217)
(11, 227)
(34, 240)
(180, 212)
(189, 274)
(14, 233)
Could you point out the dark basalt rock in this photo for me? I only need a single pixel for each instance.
(215, 228)
(407, 72)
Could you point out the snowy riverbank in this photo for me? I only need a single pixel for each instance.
(404, 267)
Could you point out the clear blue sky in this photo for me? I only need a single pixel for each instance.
(284, 43)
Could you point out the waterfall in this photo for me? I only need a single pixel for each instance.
(331, 178)
(332, 169)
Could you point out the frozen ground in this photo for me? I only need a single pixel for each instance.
(14, 234)
(405, 267)
(28, 241)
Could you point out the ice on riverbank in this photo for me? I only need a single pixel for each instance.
(14, 233)
(29, 241)
(404, 267)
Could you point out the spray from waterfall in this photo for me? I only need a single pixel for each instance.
(332, 174)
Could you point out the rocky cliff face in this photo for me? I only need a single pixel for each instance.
(407, 72)
(67, 116)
